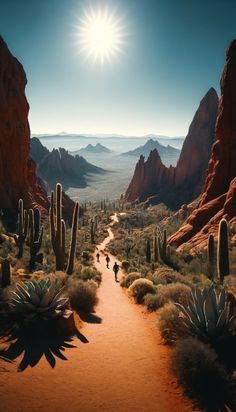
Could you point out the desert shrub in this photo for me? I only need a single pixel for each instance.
(127, 280)
(88, 273)
(139, 288)
(171, 325)
(125, 265)
(176, 292)
(204, 378)
(230, 283)
(82, 295)
(165, 275)
(153, 301)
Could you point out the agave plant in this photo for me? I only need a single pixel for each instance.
(208, 313)
(35, 300)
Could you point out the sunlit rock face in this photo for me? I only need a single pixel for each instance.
(181, 184)
(218, 198)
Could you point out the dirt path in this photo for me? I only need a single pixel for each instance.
(123, 367)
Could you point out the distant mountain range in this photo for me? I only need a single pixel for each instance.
(165, 152)
(94, 149)
(60, 166)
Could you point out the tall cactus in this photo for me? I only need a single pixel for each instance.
(22, 228)
(223, 251)
(35, 237)
(155, 248)
(92, 232)
(57, 228)
(6, 272)
(70, 266)
(162, 246)
(58, 232)
(148, 252)
(211, 256)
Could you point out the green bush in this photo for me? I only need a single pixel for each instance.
(125, 265)
(170, 324)
(88, 273)
(82, 295)
(153, 301)
(127, 280)
(205, 379)
(139, 288)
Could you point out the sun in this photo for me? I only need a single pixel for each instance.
(100, 35)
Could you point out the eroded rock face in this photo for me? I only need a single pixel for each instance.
(183, 183)
(17, 171)
(218, 198)
(18, 177)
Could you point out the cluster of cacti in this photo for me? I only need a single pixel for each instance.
(222, 256)
(58, 232)
(22, 228)
(5, 272)
(29, 232)
(34, 300)
(208, 313)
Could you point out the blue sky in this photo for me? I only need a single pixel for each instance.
(173, 52)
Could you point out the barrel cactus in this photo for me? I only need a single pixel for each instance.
(39, 300)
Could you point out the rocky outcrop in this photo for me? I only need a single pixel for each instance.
(60, 166)
(181, 184)
(218, 198)
(17, 170)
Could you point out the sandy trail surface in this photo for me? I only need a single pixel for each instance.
(122, 368)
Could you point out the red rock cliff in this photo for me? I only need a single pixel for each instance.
(218, 198)
(183, 183)
(17, 171)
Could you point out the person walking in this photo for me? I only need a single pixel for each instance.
(98, 257)
(116, 270)
(107, 261)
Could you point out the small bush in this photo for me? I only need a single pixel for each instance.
(171, 325)
(88, 273)
(82, 295)
(127, 281)
(125, 265)
(153, 302)
(197, 368)
(166, 275)
(139, 288)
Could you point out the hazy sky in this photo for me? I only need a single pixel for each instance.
(173, 52)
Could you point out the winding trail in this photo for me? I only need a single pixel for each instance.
(123, 367)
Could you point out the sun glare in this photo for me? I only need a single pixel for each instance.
(100, 35)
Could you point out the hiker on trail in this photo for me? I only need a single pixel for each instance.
(98, 257)
(108, 261)
(115, 270)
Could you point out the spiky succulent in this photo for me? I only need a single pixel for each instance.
(208, 313)
(34, 300)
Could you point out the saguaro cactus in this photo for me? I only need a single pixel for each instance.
(22, 228)
(223, 251)
(58, 232)
(92, 232)
(162, 246)
(6, 272)
(70, 265)
(211, 256)
(57, 228)
(35, 237)
(155, 248)
(148, 252)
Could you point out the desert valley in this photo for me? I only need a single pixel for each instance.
(117, 258)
